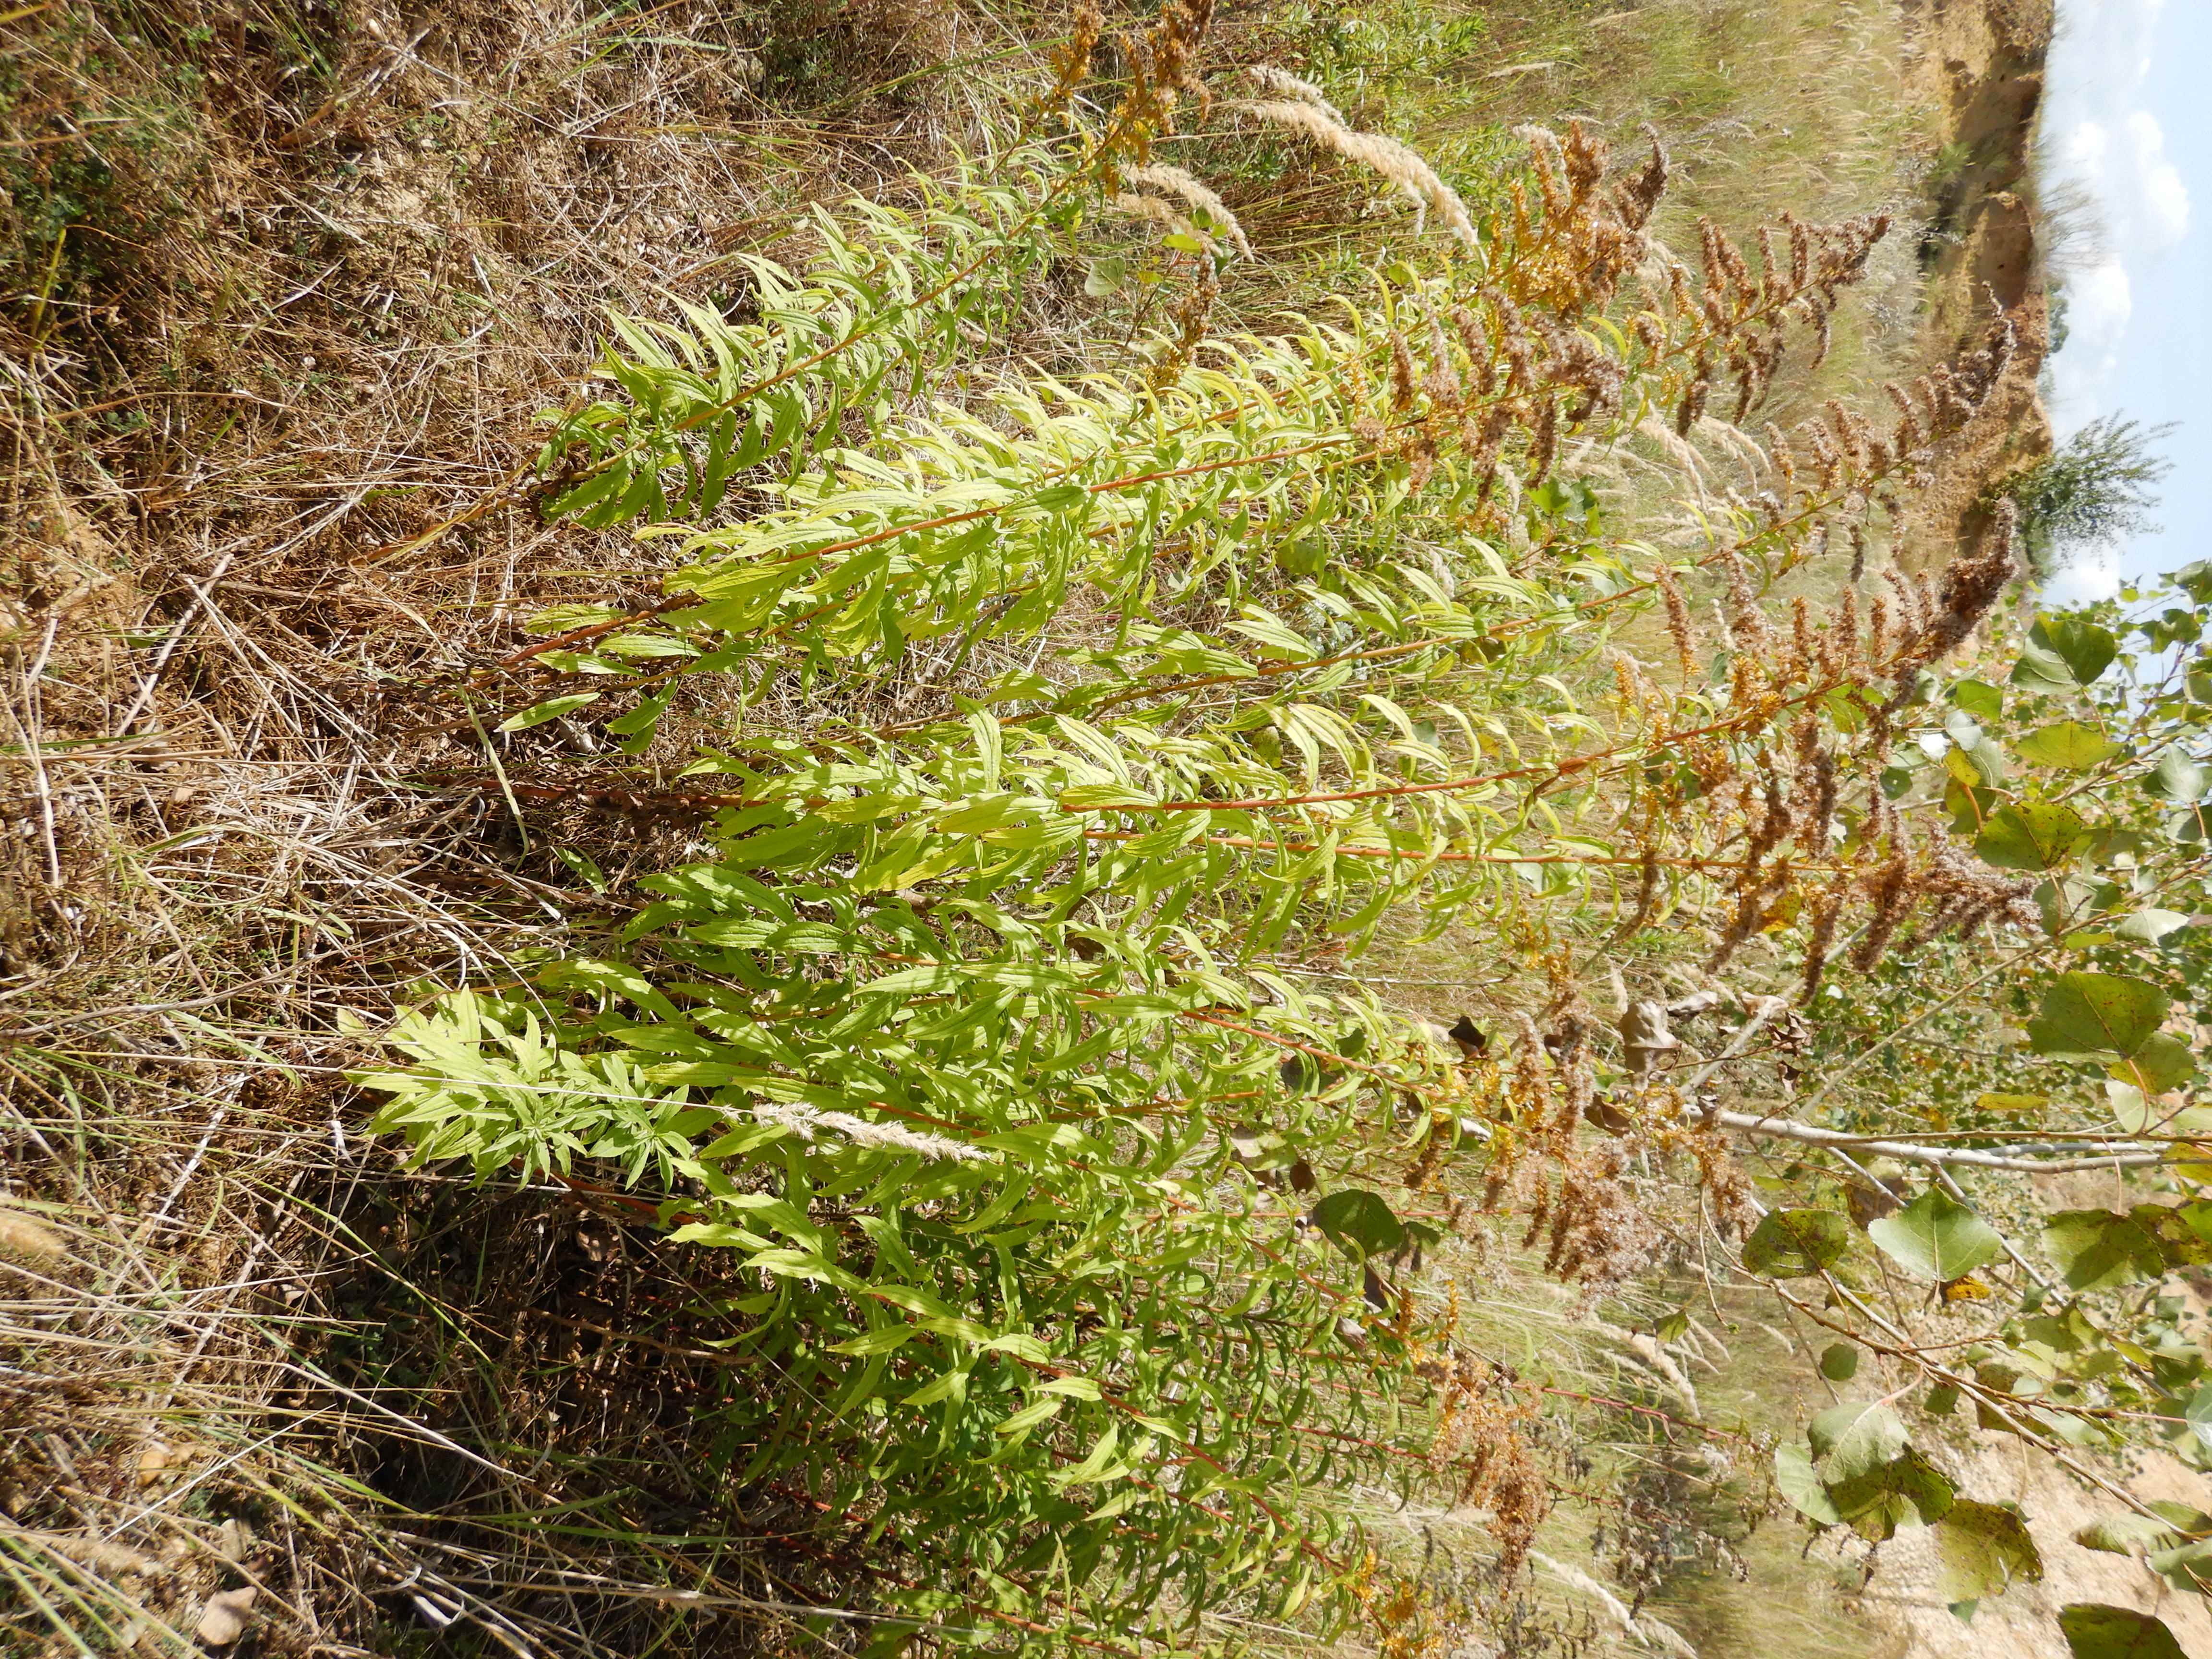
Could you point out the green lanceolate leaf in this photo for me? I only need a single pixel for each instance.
(1938, 1238)
(551, 708)
(1796, 1243)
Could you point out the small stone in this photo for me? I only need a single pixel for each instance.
(222, 1620)
(154, 1456)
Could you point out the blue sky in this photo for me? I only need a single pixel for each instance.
(2127, 126)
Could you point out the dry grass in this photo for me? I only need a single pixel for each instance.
(321, 268)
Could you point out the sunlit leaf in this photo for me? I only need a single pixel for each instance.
(2176, 778)
(2096, 1631)
(2089, 1013)
(551, 710)
(1795, 1480)
(2065, 654)
(2069, 745)
(1982, 1550)
(2032, 836)
(1938, 1238)
(2096, 1249)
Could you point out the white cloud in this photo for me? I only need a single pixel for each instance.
(2099, 303)
(2092, 575)
(2083, 152)
(2161, 200)
(2111, 148)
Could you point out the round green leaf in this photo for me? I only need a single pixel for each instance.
(2096, 1249)
(1359, 1223)
(1795, 1243)
(1938, 1238)
(1984, 1549)
(1854, 1440)
(2070, 745)
(2064, 652)
(1795, 1480)
(2085, 1014)
(1839, 1362)
(2032, 836)
(2176, 778)
(2094, 1632)
(1105, 277)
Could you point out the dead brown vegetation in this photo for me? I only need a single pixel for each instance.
(287, 285)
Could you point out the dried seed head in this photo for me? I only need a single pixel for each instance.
(1971, 584)
(1401, 372)
(1585, 159)
(1820, 939)
(1679, 627)
(1444, 388)
(1476, 344)
(1384, 155)
(1634, 199)
(1550, 163)
(1177, 182)
(1544, 444)
(1746, 616)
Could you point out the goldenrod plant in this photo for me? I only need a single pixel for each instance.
(1174, 867)
(1077, 732)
